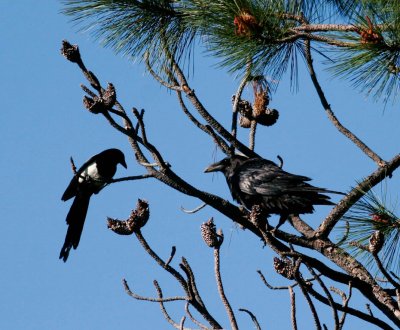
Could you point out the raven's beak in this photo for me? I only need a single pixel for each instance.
(213, 168)
(123, 163)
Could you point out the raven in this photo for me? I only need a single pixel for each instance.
(89, 180)
(257, 181)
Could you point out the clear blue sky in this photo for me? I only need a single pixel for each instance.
(43, 123)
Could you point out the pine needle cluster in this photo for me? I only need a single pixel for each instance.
(264, 33)
(372, 217)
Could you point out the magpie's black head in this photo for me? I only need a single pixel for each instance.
(117, 155)
(226, 165)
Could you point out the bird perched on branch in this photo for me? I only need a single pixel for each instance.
(257, 181)
(88, 180)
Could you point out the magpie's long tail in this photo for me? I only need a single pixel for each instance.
(75, 220)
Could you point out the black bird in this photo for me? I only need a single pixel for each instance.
(257, 181)
(89, 180)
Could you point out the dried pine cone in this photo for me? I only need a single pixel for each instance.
(246, 24)
(136, 220)
(119, 227)
(210, 235)
(94, 105)
(109, 96)
(257, 215)
(376, 242)
(140, 215)
(261, 101)
(101, 104)
(70, 52)
(244, 122)
(284, 267)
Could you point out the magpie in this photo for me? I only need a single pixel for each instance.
(257, 181)
(88, 180)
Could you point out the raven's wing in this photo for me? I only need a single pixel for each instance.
(261, 177)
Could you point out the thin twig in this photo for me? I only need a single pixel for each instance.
(385, 272)
(328, 296)
(173, 251)
(355, 312)
(363, 147)
(73, 167)
(194, 294)
(303, 287)
(205, 128)
(174, 87)
(197, 209)
(237, 97)
(253, 318)
(293, 308)
(132, 178)
(355, 194)
(252, 134)
(369, 309)
(155, 153)
(200, 325)
(138, 297)
(269, 286)
(162, 307)
(345, 302)
(182, 323)
(163, 264)
(221, 291)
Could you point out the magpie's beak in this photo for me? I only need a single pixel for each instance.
(214, 168)
(123, 163)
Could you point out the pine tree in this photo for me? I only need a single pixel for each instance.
(256, 40)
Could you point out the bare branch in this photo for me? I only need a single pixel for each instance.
(253, 318)
(182, 323)
(330, 113)
(238, 95)
(173, 251)
(174, 86)
(355, 194)
(293, 308)
(200, 325)
(132, 178)
(197, 209)
(217, 270)
(304, 290)
(162, 307)
(385, 272)
(328, 296)
(252, 134)
(138, 297)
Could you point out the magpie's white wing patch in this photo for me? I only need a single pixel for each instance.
(91, 172)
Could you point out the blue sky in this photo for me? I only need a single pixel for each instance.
(43, 123)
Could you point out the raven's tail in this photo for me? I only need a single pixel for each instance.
(75, 220)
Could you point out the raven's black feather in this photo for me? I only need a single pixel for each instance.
(257, 181)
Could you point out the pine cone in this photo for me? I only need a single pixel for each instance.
(119, 227)
(284, 267)
(246, 24)
(244, 122)
(140, 215)
(70, 52)
(94, 105)
(261, 101)
(109, 96)
(376, 242)
(257, 215)
(210, 235)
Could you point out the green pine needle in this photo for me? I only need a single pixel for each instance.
(372, 213)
